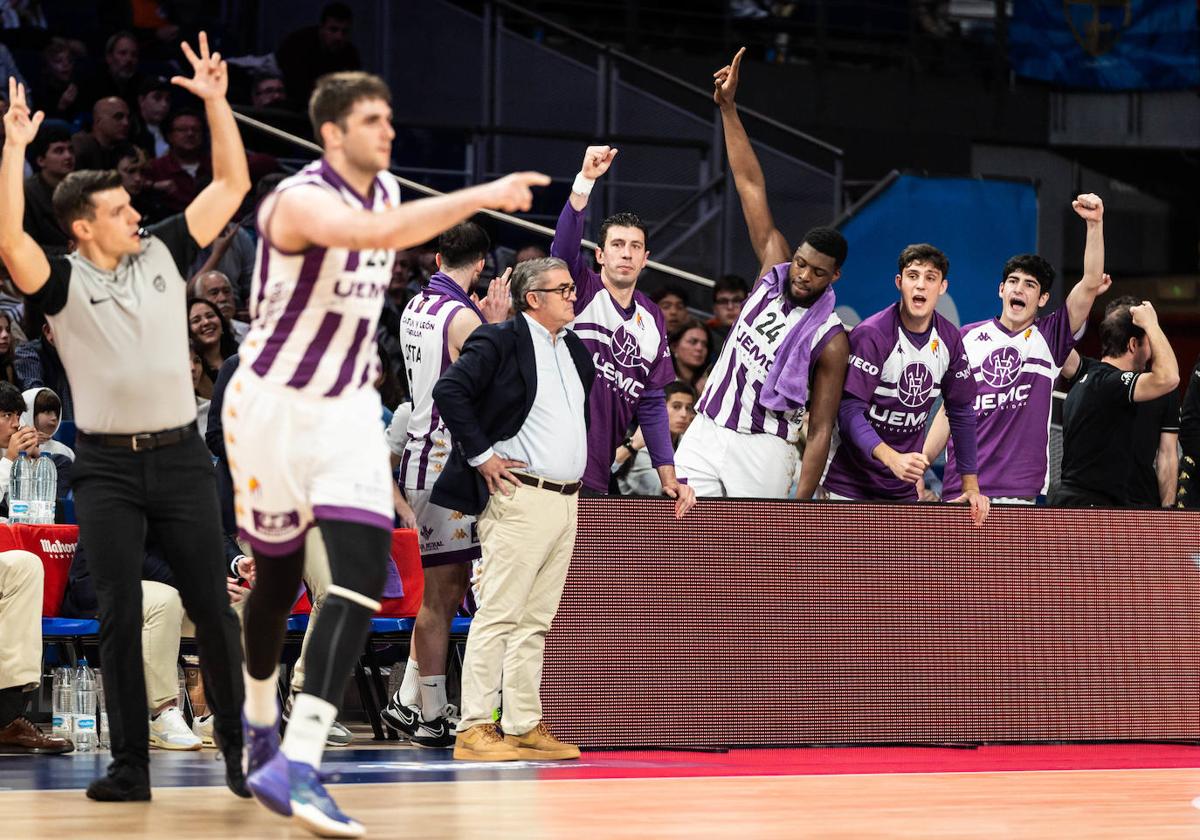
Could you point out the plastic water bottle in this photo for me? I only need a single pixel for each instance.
(20, 490)
(182, 699)
(102, 717)
(45, 490)
(85, 708)
(62, 699)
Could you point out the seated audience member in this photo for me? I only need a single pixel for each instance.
(58, 93)
(186, 168)
(145, 197)
(635, 473)
(38, 364)
(673, 302)
(729, 293)
(309, 53)
(213, 337)
(100, 148)
(267, 90)
(200, 385)
(1100, 412)
(42, 413)
(153, 104)
(689, 352)
(1188, 494)
(214, 287)
(120, 77)
(8, 350)
(53, 159)
(231, 254)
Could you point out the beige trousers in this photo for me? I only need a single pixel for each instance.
(20, 619)
(318, 579)
(527, 540)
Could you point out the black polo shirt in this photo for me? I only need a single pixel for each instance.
(1154, 419)
(1098, 424)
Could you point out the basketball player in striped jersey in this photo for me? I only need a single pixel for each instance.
(301, 420)
(1015, 359)
(784, 356)
(432, 331)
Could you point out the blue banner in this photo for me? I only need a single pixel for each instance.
(978, 223)
(1107, 44)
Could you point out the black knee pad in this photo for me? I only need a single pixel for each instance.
(358, 558)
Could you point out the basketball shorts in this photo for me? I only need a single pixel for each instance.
(445, 536)
(717, 461)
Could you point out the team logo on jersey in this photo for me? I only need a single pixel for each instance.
(1028, 333)
(984, 337)
(160, 285)
(1001, 367)
(276, 524)
(915, 385)
(625, 347)
(934, 345)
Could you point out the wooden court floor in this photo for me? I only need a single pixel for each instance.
(1147, 803)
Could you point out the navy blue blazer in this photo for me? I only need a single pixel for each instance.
(485, 396)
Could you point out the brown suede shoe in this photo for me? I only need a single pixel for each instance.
(539, 745)
(483, 743)
(22, 737)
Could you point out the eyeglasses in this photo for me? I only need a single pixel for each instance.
(728, 301)
(566, 290)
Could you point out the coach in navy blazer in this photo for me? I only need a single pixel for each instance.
(484, 397)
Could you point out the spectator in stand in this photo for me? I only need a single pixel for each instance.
(38, 364)
(267, 90)
(673, 301)
(120, 76)
(43, 413)
(53, 159)
(689, 352)
(186, 168)
(214, 287)
(1101, 410)
(311, 52)
(58, 93)
(145, 197)
(213, 337)
(729, 293)
(200, 385)
(101, 147)
(153, 105)
(8, 350)
(231, 254)
(1188, 494)
(635, 474)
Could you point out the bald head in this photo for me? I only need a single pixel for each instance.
(110, 121)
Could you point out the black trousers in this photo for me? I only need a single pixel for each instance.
(172, 491)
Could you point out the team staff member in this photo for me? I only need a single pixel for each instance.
(516, 404)
(1188, 494)
(117, 309)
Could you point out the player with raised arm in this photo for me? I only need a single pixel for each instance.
(328, 237)
(901, 359)
(1015, 359)
(785, 356)
(625, 333)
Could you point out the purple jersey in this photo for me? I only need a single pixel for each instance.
(1014, 376)
(899, 376)
(628, 346)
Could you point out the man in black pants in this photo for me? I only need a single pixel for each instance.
(117, 308)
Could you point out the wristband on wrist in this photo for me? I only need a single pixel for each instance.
(583, 186)
(628, 444)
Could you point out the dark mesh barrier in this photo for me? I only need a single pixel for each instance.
(756, 622)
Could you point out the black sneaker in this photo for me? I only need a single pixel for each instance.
(121, 784)
(438, 733)
(403, 719)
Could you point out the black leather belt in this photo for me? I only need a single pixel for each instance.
(553, 486)
(143, 441)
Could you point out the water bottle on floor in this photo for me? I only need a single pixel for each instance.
(85, 705)
(62, 700)
(20, 490)
(102, 713)
(45, 490)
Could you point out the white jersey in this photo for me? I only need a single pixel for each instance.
(732, 396)
(424, 334)
(314, 312)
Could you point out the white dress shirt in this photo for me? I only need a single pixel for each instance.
(553, 440)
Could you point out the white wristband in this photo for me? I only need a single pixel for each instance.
(583, 186)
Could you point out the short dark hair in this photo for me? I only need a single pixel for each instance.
(926, 253)
(658, 294)
(116, 38)
(679, 387)
(51, 132)
(1033, 265)
(46, 400)
(131, 150)
(830, 242)
(632, 220)
(73, 196)
(10, 398)
(1117, 327)
(337, 11)
(335, 94)
(730, 283)
(463, 244)
(168, 123)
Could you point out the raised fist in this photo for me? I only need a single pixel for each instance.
(1089, 207)
(597, 160)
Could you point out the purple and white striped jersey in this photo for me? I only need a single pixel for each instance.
(1014, 377)
(731, 396)
(314, 312)
(424, 334)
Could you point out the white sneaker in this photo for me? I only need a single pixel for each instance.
(169, 731)
(202, 728)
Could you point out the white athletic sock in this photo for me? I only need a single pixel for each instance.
(260, 705)
(433, 696)
(410, 686)
(307, 729)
